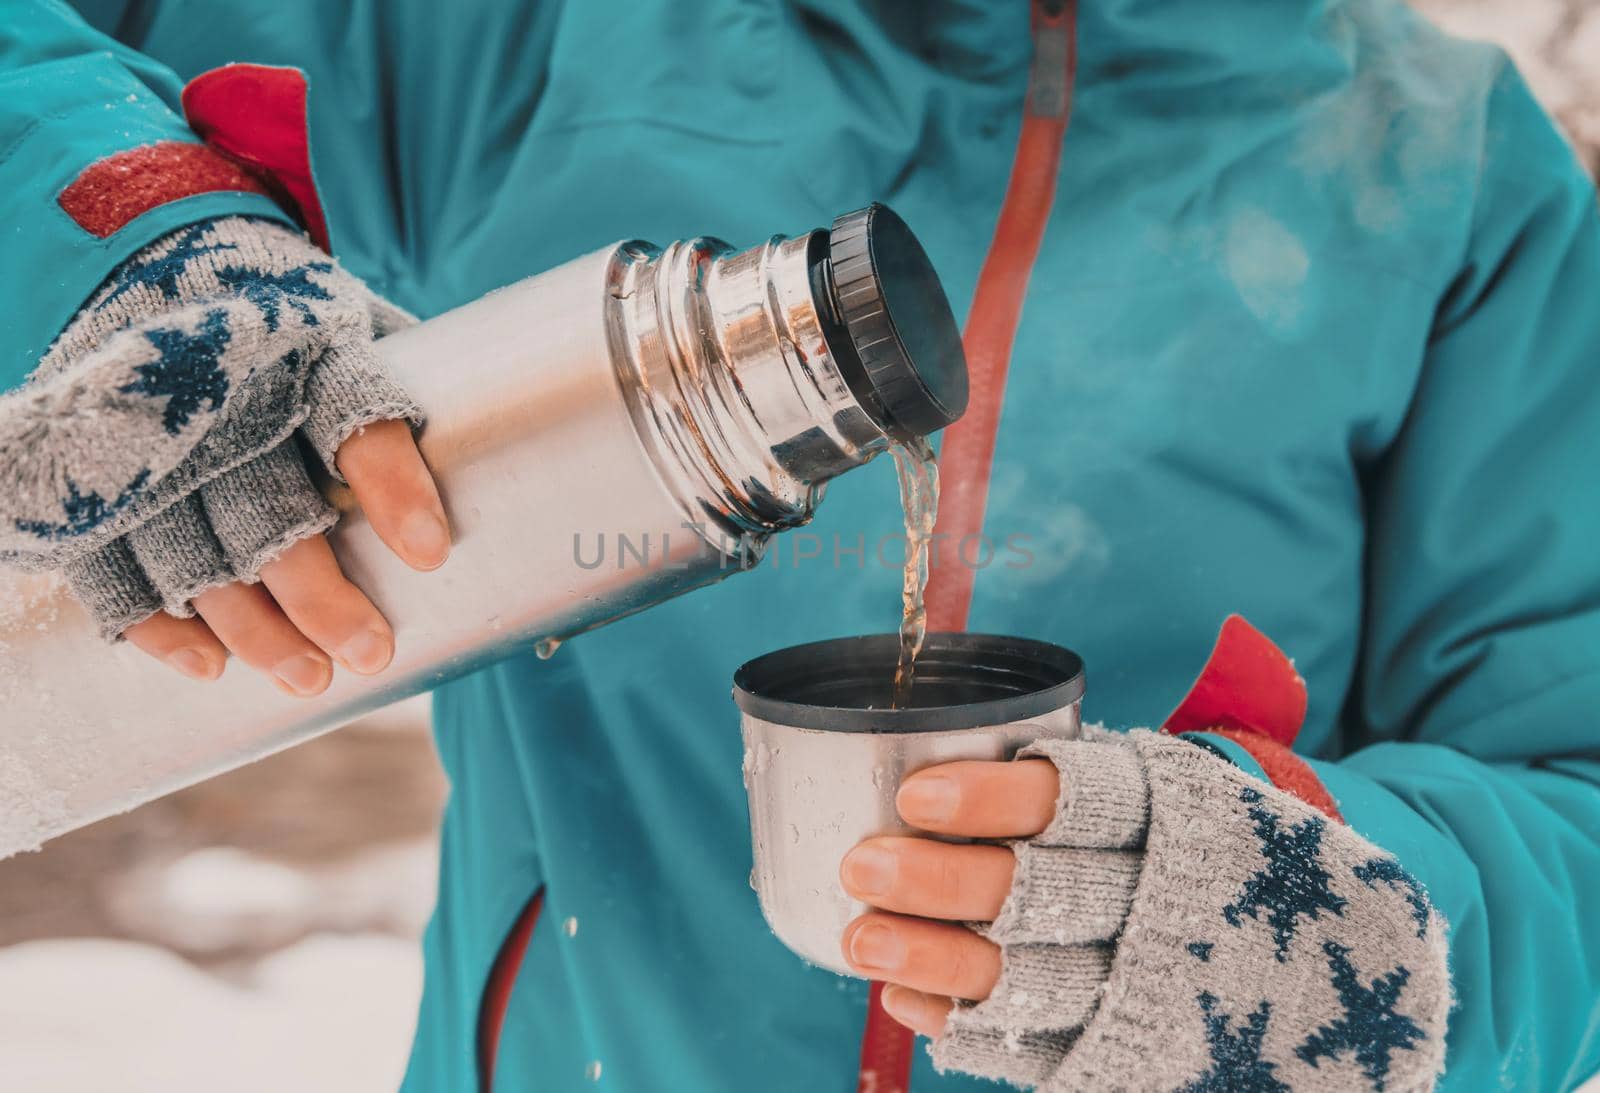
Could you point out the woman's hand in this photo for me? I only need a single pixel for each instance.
(925, 889)
(304, 614)
(161, 456)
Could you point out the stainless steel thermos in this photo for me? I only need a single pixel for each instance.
(825, 754)
(692, 400)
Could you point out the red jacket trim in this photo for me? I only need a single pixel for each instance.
(1285, 769)
(1250, 693)
(111, 192)
(256, 114)
(1249, 684)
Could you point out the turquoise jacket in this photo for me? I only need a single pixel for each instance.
(1314, 336)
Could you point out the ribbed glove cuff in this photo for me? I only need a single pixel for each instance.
(1070, 895)
(226, 531)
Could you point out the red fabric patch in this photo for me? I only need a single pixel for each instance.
(497, 992)
(257, 115)
(1248, 683)
(1285, 769)
(112, 191)
(1250, 693)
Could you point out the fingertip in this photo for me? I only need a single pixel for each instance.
(368, 652)
(423, 540)
(197, 663)
(896, 1003)
(868, 869)
(251, 624)
(945, 958)
(928, 799)
(187, 646)
(847, 940)
(303, 675)
(924, 1014)
(844, 938)
(395, 489)
(981, 799)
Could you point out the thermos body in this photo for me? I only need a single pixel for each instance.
(608, 434)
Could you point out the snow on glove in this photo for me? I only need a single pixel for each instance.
(1252, 944)
(157, 449)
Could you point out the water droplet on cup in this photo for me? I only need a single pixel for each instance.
(593, 1071)
(570, 927)
(546, 648)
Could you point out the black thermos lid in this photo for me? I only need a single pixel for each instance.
(889, 324)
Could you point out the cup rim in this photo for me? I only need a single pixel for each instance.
(1058, 681)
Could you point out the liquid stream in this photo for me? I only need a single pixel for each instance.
(918, 471)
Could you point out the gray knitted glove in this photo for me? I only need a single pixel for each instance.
(1252, 944)
(157, 449)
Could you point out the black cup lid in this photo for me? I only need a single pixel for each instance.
(904, 361)
(963, 681)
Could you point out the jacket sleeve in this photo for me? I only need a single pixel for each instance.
(1476, 715)
(72, 97)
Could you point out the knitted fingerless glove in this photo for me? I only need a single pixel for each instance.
(1183, 926)
(157, 449)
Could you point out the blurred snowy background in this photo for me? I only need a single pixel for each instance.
(1556, 44)
(256, 933)
(259, 932)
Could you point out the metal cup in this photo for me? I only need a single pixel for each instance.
(824, 753)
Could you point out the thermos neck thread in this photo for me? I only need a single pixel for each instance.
(726, 364)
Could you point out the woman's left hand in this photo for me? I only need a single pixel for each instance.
(925, 889)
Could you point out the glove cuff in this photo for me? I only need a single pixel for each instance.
(111, 586)
(1070, 895)
(348, 390)
(1105, 796)
(262, 508)
(180, 555)
(1066, 896)
(1044, 996)
(224, 532)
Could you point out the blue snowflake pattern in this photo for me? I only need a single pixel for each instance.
(1370, 1028)
(1236, 1063)
(1294, 883)
(188, 373)
(1388, 871)
(84, 511)
(268, 291)
(162, 273)
(272, 291)
(1200, 950)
